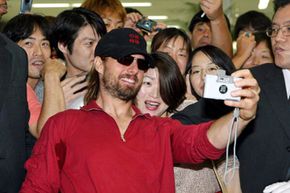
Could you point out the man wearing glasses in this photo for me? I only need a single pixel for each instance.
(264, 149)
(109, 146)
(3, 7)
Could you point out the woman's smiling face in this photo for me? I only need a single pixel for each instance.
(148, 99)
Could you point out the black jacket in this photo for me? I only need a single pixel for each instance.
(14, 115)
(264, 146)
(202, 111)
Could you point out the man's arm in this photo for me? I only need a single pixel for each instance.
(53, 101)
(44, 165)
(218, 132)
(221, 35)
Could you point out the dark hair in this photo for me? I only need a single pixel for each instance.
(167, 34)
(217, 56)
(197, 18)
(172, 83)
(252, 19)
(280, 3)
(257, 21)
(68, 24)
(132, 10)
(22, 26)
(93, 84)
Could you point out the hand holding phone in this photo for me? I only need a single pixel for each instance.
(25, 6)
(146, 25)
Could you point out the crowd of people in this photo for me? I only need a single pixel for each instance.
(87, 106)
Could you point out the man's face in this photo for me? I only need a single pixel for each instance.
(38, 50)
(3, 7)
(201, 35)
(120, 81)
(81, 58)
(281, 42)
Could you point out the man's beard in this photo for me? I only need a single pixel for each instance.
(113, 87)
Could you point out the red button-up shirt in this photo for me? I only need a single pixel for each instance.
(82, 151)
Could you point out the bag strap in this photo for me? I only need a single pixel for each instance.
(219, 179)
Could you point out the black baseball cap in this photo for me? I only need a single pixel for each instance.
(122, 42)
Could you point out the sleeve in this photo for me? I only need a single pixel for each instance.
(44, 166)
(190, 144)
(34, 105)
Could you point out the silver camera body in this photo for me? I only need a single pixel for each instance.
(220, 87)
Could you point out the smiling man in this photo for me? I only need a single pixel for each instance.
(109, 146)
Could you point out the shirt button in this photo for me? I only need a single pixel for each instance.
(288, 148)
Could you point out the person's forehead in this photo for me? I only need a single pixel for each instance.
(173, 42)
(111, 16)
(282, 16)
(152, 73)
(202, 23)
(86, 31)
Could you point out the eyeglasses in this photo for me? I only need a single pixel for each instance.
(128, 60)
(210, 69)
(274, 30)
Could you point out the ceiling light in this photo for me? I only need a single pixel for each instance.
(50, 5)
(139, 4)
(61, 5)
(158, 17)
(76, 4)
(174, 26)
(263, 4)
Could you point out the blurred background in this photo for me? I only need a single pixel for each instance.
(176, 13)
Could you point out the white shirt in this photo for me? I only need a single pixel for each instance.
(286, 74)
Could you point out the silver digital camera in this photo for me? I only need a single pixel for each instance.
(220, 87)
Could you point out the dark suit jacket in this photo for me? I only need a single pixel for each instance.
(13, 115)
(202, 111)
(264, 146)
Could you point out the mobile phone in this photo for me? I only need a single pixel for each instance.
(25, 6)
(146, 25)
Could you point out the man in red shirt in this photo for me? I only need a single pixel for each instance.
(109, 146)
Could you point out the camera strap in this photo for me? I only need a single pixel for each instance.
(233, 133)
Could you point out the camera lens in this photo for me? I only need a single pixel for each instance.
(223, 89)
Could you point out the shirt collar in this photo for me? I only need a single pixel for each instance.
(92, 105)
(286, 74)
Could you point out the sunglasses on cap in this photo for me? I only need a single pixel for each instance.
(128, 60)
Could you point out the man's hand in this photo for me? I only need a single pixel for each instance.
(53, 67)
(279, 187)
(71, 85)
(212, 8)
(249, 94)
(131, 20)
(159, 26)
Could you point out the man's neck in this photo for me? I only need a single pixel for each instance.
(32, 82)
(121, 111)
(72, 71)
(114, 106)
